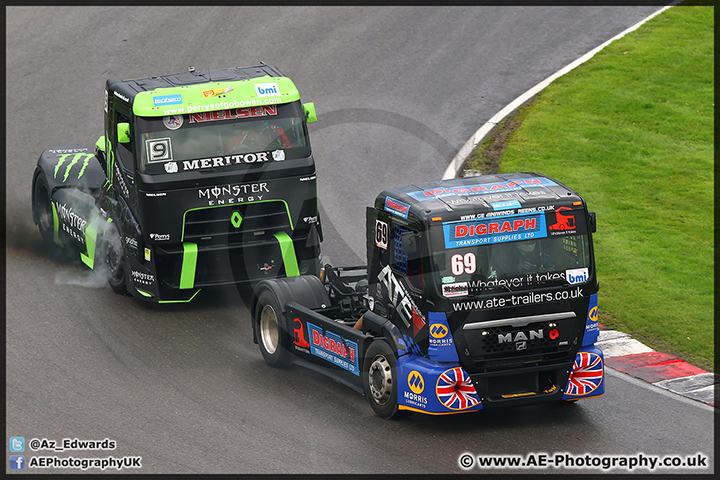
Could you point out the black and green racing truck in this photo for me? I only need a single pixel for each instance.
(202, 178)
(478, 293)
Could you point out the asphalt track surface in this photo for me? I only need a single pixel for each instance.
(398, 92)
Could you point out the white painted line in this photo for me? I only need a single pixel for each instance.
(457, 162)
(606, 335)
(688, 384)
(622, 347)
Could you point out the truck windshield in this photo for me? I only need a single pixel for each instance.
(226, 139)
(548, 257)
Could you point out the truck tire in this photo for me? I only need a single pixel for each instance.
(112, 255)
(380, 380)
(273, 341)
(42, 207)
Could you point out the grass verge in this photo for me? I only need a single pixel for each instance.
(632, 130)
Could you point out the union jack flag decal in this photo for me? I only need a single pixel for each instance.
(587, 374)
(455, 390)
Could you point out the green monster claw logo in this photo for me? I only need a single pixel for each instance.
(236, 219)
(76, 157)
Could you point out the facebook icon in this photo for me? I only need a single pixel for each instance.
(17, 462)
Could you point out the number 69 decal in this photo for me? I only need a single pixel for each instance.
(158, 150)
(463, 263)
(381, 234)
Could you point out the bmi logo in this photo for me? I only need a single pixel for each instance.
(267, 89)
(416, 382)
(576, 275)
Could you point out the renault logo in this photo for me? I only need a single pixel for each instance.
(236, 219)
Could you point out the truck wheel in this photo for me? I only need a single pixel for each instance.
(43, 208)
(273, 341)
(380, 380)
(113, 257)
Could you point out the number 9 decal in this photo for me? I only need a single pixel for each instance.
(463, 264)
(158, 150)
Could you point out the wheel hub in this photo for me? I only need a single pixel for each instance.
(269, 329)
(380, 380)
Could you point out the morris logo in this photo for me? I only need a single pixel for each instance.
(416, 382)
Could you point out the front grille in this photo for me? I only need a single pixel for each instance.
(231, 224)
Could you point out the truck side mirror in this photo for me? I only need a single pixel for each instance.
(100, 144)
(411, 244)
(123, 133)
(593, 222)
(310, 114)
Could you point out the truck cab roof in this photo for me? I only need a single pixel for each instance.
(204, 90)
(457, 198)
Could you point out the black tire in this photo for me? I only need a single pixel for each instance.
(112, 256)
(380, 380)
(42, 207)
(273, 341)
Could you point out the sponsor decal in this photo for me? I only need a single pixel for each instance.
(441, 346)
(308, 179)
(381, 234)
(153, 194)
(236, 193)
(587, 374)
(455, 390)
(592, 330)
(531, 298)
(455, 289)
(416, 382)
(577, 275)
(160, 237)
(216, 91)
(72, 223)
(300, 342)
(74, 159)
(484, 231)
(173, 122)
(158, 149)
(397, 207)
(131, 242)
(564, 222)
(310, 220)
(505, 205)
(233, 113)
(68, 150)
(333, 348)
(229, 160)
(171, 167)
(481, 189)
(121, 97)
(121, 182)
(147, 254)
(402, 302)
(266, 89)
(163, 100)
(143, 278)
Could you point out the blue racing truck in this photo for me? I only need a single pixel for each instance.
(478, 293)
(202, 178)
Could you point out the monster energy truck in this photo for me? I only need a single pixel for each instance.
(202, 179)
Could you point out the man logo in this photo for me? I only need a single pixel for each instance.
(593, 314)
(438, 330)
(416, 382)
